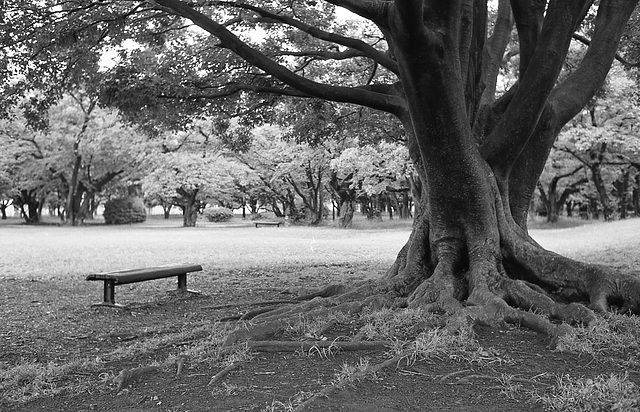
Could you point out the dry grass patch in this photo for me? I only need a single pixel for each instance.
(602, 393)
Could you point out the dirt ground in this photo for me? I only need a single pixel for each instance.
(51, 323)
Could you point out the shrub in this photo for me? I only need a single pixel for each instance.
(124, 211)
(218, 214)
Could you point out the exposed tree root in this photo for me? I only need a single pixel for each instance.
(128, 376)
(498, 276)
(453, 374)
(467, 380)
(306, 346)
(218, 376)
(261, 303)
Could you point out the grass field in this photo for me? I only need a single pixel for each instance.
(49, 251)
(52, 251)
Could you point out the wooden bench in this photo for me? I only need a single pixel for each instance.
(267, 224)
(122, 277)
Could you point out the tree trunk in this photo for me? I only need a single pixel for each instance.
(190, 205)
(72, 199)
(622, 187)
(636, 196)
(469, 252)
(30, 200)
(189, 215)
(595, 166)
(166, 210)
(3, 209)
(347, 210)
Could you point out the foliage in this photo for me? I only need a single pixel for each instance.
(374, 168)
(124, 211)
(218, 214)
(81, 149)
(609, 119)
(604, 139)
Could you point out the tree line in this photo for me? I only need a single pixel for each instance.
(84, 155)
(593, 170)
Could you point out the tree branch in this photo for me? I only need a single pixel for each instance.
(529, 16)
(580, 87)
(509, 138)
(376, 11)
(375, 100)
(587, 42)
(323, 54)
(313, 31)
(494, 52)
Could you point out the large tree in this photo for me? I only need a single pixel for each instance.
(434, 66)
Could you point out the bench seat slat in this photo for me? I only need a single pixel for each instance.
(123, 277)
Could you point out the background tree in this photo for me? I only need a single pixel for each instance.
(604, 139)
(553, 191)
(188, 169)
(80, 150)
(375, 173)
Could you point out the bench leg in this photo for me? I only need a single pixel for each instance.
(182, 284)
(109, 299)
(109, 292)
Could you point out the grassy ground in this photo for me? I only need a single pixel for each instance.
(53, 252)
(57, 354)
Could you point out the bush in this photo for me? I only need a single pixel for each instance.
(124, 211)
(218, 214)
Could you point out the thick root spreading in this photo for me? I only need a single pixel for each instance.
(518, 283)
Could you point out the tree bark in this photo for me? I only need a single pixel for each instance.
(347, 209)
(190, 206)
(4, 204)
(636, 197)
(622, 187)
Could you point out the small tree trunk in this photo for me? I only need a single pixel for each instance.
(166, 209)
(622, 186)
(189, 215)
(346, 213)
(552, 208)
(569, 208)
(636, 197)
(596, 176)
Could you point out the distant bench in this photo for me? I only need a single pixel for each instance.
(268, 224)
(122, 277)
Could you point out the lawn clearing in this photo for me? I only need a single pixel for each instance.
(45, 252)
(56, 353)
